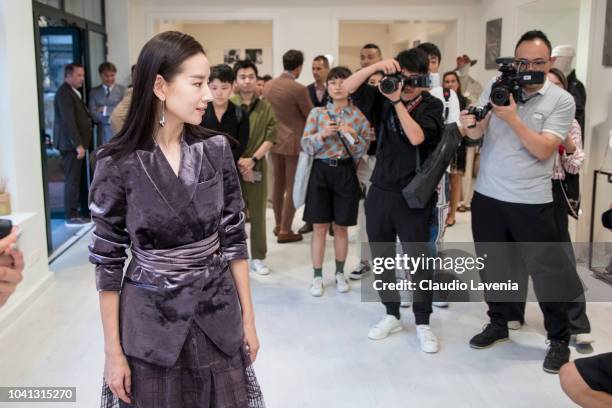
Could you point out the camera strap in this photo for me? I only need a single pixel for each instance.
(387, 115)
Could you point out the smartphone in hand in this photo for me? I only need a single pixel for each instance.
(6, 226)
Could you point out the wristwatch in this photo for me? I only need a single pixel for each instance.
(396, 102)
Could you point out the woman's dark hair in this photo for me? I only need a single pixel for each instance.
(414, 60)
(161, 55)
(223, 73)
(453, 73)
(560, 75)
(338, 73)
(244, 64)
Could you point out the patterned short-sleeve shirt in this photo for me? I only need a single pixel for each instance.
(332, 147)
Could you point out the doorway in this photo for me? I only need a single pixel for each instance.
(62, 38)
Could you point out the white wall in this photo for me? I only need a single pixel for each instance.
(117, 23)
(394, 36)
(217, 37)
(354, 35)
(598, 81)
(20, 159)
(314, 30)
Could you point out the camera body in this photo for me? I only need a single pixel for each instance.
(510, 82)
(391, 83)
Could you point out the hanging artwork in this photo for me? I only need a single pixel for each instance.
(255, 55)
(493, 43)
(232, 55)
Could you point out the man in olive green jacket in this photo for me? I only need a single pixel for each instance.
(252, 165)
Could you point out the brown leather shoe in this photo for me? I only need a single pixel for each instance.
(286, 237)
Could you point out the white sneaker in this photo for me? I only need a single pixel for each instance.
(584, 338)
(405, 304)
(514, 324)
(342, 284)
(387, 325)
(317, 288)
(259, 267)
(440, 304)
(427, 338)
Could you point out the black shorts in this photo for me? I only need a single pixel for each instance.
(332, 195)
(596, 371)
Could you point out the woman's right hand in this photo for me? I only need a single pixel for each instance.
(118, 376)
(330, 130)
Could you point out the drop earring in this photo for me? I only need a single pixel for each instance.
(162, 120)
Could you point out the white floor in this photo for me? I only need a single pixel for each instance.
(315, 352)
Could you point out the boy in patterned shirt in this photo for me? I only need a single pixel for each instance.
(337, 135)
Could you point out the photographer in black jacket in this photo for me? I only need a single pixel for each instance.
(409, 123)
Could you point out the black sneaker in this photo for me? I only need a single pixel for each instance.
(306, 228)
(488, 337)
(362, 270)
(558, 353)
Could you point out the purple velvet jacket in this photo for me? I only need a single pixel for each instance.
(139, 202)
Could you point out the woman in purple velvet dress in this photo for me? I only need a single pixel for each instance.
(179, 328)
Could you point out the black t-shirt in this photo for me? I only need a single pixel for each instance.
(230, 125)
(365, 97)
(396, 157)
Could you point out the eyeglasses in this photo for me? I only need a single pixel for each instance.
(525, 64)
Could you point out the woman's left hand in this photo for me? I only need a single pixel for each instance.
(251, 340)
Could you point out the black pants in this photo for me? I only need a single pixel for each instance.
(73, 172)
(495, 221)
(578, 320)
(388, 217)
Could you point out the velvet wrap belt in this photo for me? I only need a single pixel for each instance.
(175, 267)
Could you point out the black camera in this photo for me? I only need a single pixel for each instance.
(391, 83)
(510, 82)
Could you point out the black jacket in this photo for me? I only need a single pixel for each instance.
(312, 92)
(234, 122)
(72, 125)
(576, 88)
(138, 202)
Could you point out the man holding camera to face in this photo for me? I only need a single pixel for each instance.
(409, 126)
(523, 122)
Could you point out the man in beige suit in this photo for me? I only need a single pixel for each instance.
(291, 104)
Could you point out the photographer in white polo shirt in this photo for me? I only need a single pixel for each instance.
(513, 196)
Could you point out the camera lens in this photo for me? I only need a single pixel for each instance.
(389, 84)
(500, 96)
